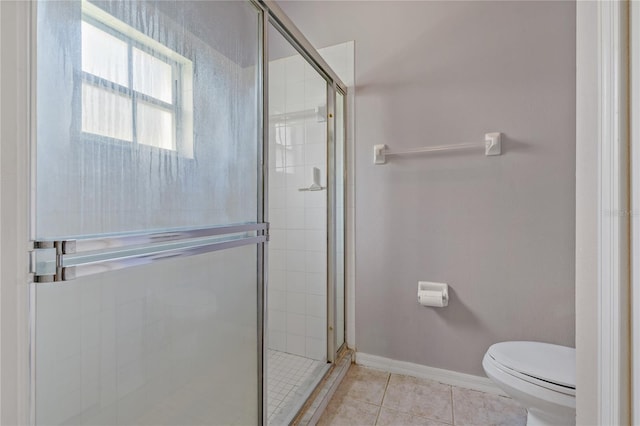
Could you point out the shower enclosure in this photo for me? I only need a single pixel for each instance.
(187, 213)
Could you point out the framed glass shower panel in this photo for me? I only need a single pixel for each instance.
(148, 196)
(298, 181)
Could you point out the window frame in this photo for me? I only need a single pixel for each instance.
(181, 143)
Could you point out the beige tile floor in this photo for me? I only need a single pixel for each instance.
(372, 397)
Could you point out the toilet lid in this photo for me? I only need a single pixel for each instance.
(551, 363)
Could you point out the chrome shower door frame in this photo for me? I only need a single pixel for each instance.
(281, 22)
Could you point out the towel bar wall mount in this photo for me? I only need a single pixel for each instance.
(492, 146)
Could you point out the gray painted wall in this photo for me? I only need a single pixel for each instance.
(499, 230)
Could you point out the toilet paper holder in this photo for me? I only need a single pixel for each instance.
(433, 294)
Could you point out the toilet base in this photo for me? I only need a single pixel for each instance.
(537, 418)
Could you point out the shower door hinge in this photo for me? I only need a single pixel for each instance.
(267, 232)
(45, 260)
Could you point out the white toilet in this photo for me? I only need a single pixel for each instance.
(539, 376)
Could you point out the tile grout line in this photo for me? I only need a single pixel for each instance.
(386, 385)
(378, 414)
(453, 415)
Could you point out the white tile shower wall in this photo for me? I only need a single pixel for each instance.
(298, 244)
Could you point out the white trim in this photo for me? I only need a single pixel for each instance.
(1, 345)
(15, 50)
(350, 335)
(448, 377)
(613, 217)
(350, 211)
(635, 207)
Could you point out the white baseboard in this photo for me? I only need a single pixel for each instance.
(448, 377)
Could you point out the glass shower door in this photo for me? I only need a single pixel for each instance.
(148, 213)
(299, 180)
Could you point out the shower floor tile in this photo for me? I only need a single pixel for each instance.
(287, 376)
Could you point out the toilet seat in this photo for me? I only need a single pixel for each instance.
(542, 364)
(539, 376)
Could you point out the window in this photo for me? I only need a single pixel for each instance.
(133, 88)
